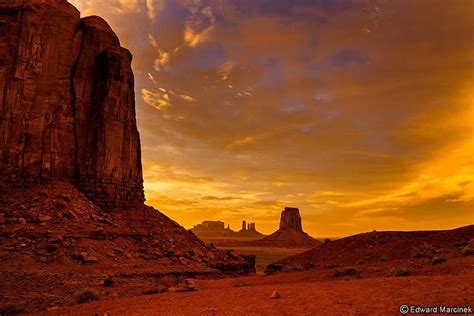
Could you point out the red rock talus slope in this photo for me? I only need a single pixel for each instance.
(383, 247)
(67, 108)
(71, 188)
(54, 243)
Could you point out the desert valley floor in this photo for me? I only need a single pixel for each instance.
(302, 293)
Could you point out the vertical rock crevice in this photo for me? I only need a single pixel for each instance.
(68, 108)
(77, 41)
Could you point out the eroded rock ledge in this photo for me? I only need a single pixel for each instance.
(67, 108)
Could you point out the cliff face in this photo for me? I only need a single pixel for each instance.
(67, 107)
(67, 125)
(290, 234)
(290, 218)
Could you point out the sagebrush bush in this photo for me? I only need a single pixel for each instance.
(418, 254)
(87, 295)
(400, 272)
(437, 260)
(11, 309)
(108, 282)
(347, 272)
(467, 251)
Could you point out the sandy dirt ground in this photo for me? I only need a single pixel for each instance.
(302, 293)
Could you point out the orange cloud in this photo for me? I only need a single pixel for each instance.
(358, 112)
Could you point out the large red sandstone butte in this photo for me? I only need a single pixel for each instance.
(290, 233)
(71, 187)
(67, 108)
(290, 219)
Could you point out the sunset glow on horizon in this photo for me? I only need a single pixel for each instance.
(359, 113)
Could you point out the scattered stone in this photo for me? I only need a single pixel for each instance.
(52, 247)
(22, 221)
(275, 295)
(45, 218)
(108, 282)
(85, 258)
(56, 239)
(118, 250)
(190, 284)
(90, 259)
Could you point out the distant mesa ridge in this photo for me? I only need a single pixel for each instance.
(218, 228)
(211, 226)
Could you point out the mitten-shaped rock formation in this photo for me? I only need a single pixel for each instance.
(290, 233)
(67, 108)
(290, 218)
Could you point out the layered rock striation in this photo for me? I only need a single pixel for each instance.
(291, 219)
(67, 109)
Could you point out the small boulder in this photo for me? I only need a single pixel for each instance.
(86, 258)
(52, 247)
(90, 259)
(275, 295)
(45, 218)
(190, 285)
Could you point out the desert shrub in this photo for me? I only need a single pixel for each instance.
(86, 295)
(418, 254)
(400, 272)
(467, 251)
(437, 260)
(309, 265)
(11, 309)
(460, 244)
(364, 260)
(383, 258)
(272, 268)
(268, 271)
(158, 290)
(292, 267)
(327, 241)
(241, 284)
(108, 282)
(347, 272)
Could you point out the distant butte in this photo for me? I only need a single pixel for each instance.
(290, 233)
(215, 230)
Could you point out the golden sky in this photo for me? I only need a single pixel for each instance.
(360, 113)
